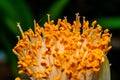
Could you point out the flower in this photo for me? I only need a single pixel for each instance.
(63, 51)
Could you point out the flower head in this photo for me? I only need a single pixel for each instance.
(62, 51)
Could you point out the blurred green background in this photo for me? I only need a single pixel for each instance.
(106, 12)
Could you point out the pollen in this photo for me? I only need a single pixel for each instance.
(62, 51)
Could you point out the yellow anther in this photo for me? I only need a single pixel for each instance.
(94, 23)
(17, 78)
(43, 63)
(57, 78)
(29, 71)
(21, 72)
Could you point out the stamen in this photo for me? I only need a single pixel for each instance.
(18, 25)
(48, 18)
(78, 25)
(35, 26)
(65, 17)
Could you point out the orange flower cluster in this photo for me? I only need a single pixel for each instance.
(63, 51)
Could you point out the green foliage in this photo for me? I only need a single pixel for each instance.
(109, 22)
(13, 11)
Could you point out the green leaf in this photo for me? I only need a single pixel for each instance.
(109, 22)
(14, 11)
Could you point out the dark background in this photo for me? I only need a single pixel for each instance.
(106, 12)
